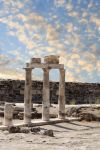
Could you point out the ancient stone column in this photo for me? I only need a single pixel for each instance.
(27, 96)
(46, 95)
(8, 114)
(61, 100)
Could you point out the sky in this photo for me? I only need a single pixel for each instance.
(37, 28)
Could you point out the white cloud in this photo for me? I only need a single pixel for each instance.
(98, 64)
(95, 20)
(70, 27)
(59, 3)
(69, 6)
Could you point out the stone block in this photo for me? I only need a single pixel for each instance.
(8, 114)
(36, 60)
(52, 59)
(48, 133)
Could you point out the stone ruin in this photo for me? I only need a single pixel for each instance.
(50, 62)
(8, 114)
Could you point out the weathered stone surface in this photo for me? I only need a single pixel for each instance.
(61, 99)
(8, 114)
(36, 60)
(24, 130)
(48, 133)
(51, 59)
(46, 95)
(75, 93)
(89, 117)
(35, 129)
(13, 129)
(88, 113)
(34, 115)
(28, 97)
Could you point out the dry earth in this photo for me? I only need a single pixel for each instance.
(67, 136)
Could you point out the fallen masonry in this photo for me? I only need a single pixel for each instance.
(34, 130)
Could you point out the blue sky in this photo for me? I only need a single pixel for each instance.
(36, 28)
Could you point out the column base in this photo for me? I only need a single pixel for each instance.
(27, 120)
(61, 115)
(45, 118)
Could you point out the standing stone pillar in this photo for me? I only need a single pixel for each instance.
(46, 95)
(61, 100)
(8, 114)
(28, 97)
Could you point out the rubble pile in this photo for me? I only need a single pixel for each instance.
(75, 93)
(33, 130)
(88, 113)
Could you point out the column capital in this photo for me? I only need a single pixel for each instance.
(27, 64)
(46, 69)
(28, 69)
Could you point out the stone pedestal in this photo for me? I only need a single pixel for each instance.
(8, 114)
(61, 100)
(46, 95)
(27, 97)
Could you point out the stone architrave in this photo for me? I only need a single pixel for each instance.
(61, 100)
(28, 97)
(8, 114)
(46, 95)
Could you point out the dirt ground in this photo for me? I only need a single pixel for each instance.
(67, 136)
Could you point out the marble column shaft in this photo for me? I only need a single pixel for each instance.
(28, 97)
(61, 100)
(46, 95)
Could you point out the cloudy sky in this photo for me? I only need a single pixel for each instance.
(35, 28)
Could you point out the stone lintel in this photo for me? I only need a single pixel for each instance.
(42, 65)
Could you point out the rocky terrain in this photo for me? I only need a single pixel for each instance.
(76, 93)
(83, 112)
(77, 135)
(80, 135)
(67, 136)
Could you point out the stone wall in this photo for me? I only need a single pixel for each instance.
(79, 93)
